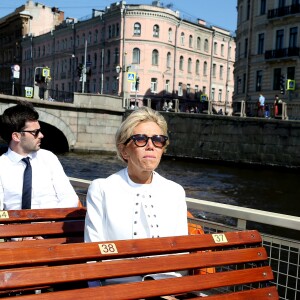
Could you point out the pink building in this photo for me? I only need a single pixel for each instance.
(172, 58)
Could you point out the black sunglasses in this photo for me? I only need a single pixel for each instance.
(35, 132)
(141, 140)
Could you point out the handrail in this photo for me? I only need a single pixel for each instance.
(247, 214)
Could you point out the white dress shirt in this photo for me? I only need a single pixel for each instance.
(118, 209)
(51, 187)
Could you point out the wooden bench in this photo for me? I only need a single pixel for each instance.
(64, 225)
(239, 260)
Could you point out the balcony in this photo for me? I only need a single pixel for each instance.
(282, 53)
(283, 11)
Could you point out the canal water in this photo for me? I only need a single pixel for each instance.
(266, 189)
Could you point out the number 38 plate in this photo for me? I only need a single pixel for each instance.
(108, 248)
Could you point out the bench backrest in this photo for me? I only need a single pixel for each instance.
(63, 225)
(67, 264)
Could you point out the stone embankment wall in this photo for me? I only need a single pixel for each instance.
(234, 139)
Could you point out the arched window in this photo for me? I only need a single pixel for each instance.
(181, 62)
(197, 67)
(222, 49)
(116, 56)
(137, 29)
(155, 30)
(215, 47)
(206, 45)
(190, 65)
(191, 41)
(155, 57)
(198, 43)
(170, 35)
(205, 68)
(96, 36)
(169, 60)
(182, 38)
(136, 56)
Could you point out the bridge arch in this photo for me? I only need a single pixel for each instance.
(54, 122)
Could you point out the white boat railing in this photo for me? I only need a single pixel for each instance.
(284, 253)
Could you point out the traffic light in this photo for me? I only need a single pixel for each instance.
(282, 84)
(79, 70)
(137, 83)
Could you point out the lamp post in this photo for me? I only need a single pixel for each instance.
(124, 70)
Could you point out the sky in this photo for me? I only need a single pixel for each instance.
(221, 13)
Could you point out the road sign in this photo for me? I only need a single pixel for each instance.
(46, 72)
(131, 76)
(28, 91)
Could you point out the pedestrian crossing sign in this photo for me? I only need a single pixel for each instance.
(131, 76)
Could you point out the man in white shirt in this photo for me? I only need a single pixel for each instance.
(51, 188)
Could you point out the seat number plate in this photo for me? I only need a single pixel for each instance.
(219, 238)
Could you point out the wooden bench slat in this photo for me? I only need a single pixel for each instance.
(128, 248)
(48, 214)
(44, 242)
(154, 288)
(28, 277)
(269, 293)
(35, 229)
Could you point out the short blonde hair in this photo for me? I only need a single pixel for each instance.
(143, 114)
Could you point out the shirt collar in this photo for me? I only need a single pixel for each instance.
(15, 157)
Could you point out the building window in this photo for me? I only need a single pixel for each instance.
(197, 67)
(117, 29)
(196, 91)
(262, 7)
(188, 90)
(108, 57)
(109, 31)
(191, 41)
(198, 43)
(205, 68)
(279, 39)
(246, 48)
(206, 48)
(180, 90)
(167, 86)
(134, 88)
(155, 57)
(276, 79)
(181, 62)
(221, 72)
(215, 47)
(258, 80)
(248, 9)
(136, 56)
(169, 60)
(153, 85)
(90, 38)
(213, 94)
(189, 65)
(214, 70)
(222, 49)
(155, 31)
(116, 56)
(113, 30)
(291, 73)
(137, 29)
(170, 35)
(182, 39)
(107, 85)
(96, 36)
(261, 41)
(244, 83)
(293, 37)
(220, 95)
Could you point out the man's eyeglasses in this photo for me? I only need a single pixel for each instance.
(141, 140)
(35, 132)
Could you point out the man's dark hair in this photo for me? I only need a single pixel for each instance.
(14, 118)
